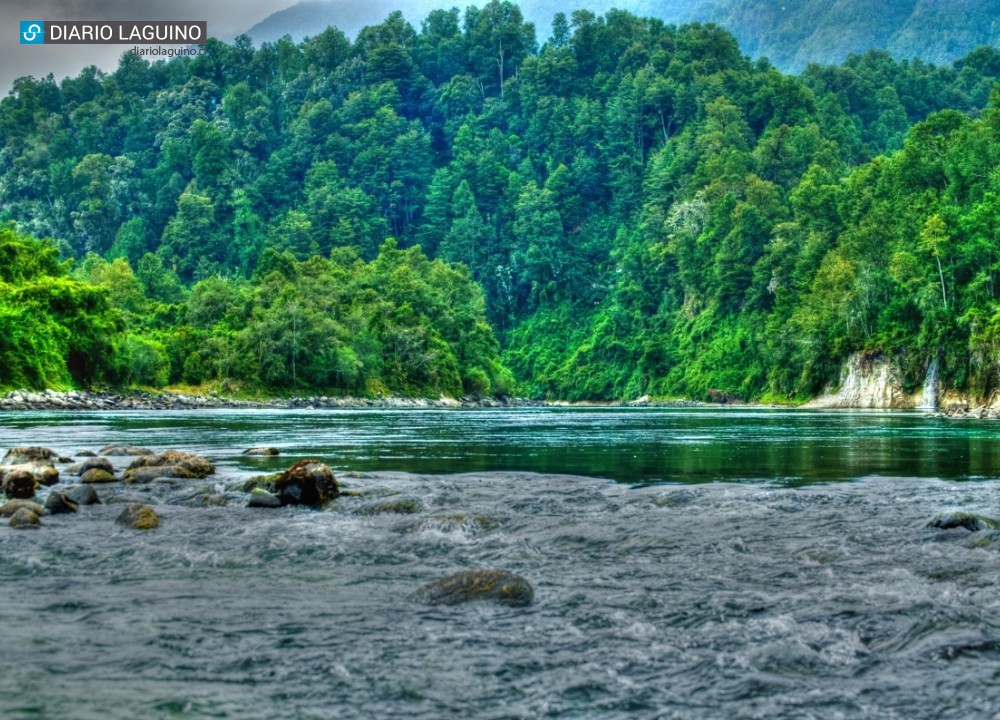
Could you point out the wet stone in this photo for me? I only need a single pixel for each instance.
(82, 495)
(138, 516)
(60, 502)
(262, 451)
(263, 499)
(499, 586)
(12, 506)
(25, 519)
(969, 521)
(19, 484)
(97, 476)
(99, 463)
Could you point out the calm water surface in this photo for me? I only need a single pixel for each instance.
(734, 563)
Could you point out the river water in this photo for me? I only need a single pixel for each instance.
(730, 563)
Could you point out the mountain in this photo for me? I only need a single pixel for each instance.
(791, 33)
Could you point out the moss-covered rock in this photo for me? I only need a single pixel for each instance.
(22, 455)
(96, 476)
(123, 450)
(19, 484)
(969, 521)
(44, 473)
(307, 482)
(261, 482)
(25, 519)
(138, 516)
(171, 463)
(12, 506)
(499, 586)
(98, 463)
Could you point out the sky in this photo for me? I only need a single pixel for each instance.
(226, 19)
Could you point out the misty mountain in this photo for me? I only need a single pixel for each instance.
(791, 33)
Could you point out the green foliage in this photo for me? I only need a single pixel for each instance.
(632, 208)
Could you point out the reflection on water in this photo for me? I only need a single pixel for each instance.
(628, 445)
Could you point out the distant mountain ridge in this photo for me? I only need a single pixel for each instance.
(791, 33)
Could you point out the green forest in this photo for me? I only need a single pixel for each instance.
(629, 208)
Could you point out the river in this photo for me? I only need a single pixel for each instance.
(697, 563)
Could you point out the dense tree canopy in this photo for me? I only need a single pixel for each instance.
(643, 210)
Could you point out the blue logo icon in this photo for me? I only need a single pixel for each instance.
(32, 32)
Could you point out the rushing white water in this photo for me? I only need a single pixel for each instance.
(929, 397)
(739, 595)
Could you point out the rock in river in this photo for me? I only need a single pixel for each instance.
(82, 495)
(260, 498)
(307, 482)
(96, 476)
(43, 472)
(60, 502)
(19, 484)
(499, 586)
(969, 521)
(138, 516)
(117, 450)
(98, 463)
(21, 455)
(172, 463)
(24, 518)
(11, 507)
(263, 451)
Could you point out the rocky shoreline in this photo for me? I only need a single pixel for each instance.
(141, 400)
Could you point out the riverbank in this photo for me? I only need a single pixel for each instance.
(143, 400)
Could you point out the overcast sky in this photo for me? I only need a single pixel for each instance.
(226, 19)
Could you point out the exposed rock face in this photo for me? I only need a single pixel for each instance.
(499, 586)
(25, 518)
(138, 516)
(867, 381)
(172, 463)
(22, 455)
(120, 450)
(263, 451)
(19, 484)
(307, 482)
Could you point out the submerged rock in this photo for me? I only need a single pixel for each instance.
(25, 519)
(263, 482)
(86, 453)
(124, 450)
(969, 521)
(19, 484)
(263, 499)
(307, 482)
(12, 506)
(499, 586)
(138, 516)
(96, 476)
(21, 455)
(171, 463)
(60, 502)
(82, 495)
(398, 506)
(263, 451)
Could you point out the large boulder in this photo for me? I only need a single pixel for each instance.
(21, 455)
(499, 586)
(307, 482)
(82, 495)
(119, 450)
(171, 463)
(19, 484)
(43, 473)
(138, 516)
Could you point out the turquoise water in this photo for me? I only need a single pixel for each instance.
(736, 563)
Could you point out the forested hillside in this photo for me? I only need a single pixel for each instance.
(790, 33)
(644, 209)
